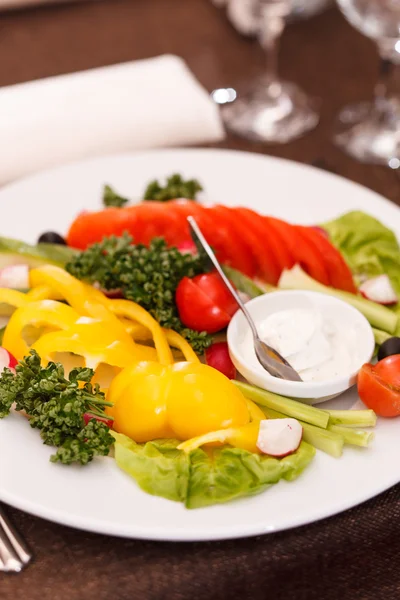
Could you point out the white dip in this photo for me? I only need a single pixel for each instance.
(319, 346)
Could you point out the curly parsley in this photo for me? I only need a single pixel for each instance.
(56, 406)
(146, 275)
(175, 187)
(111, 198)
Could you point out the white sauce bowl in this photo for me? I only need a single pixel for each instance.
(314, 391)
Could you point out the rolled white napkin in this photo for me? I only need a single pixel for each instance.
(142, 104)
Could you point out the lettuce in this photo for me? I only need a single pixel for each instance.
(368, 246)
(202, 478)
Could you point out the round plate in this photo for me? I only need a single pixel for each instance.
(102, 498)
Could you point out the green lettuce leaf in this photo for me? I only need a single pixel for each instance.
(368, 246)
(158, 467)
(203, 478)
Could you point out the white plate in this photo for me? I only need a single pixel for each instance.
(102, 498)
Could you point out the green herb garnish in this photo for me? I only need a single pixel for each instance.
(56, 406)
(111, 198)
(146, 275)
(175, 187)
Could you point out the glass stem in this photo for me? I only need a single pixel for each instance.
(272, 24)
(386, 88)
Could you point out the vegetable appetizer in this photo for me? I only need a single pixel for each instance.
(114, 340)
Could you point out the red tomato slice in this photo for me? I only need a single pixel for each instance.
(263, 246)
(242, 237)
(377, 393)
(89, 228)
(389, 369)
(155, 219)
(275, 231)
(339, 273)
(216, 234)
(203, 303)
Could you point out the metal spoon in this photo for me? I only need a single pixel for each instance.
(269, 358)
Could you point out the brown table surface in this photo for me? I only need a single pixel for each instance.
(350, 556)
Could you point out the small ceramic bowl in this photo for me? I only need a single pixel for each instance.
(314, 391)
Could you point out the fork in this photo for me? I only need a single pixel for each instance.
(14, 553)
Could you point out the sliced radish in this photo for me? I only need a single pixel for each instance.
(379, 289)
(15, 277)
(187, 247)
(7, 360)
(87, 417)
(217, 356)
(279, 437)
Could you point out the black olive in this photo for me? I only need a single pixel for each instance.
(51, 237)
(390, 347)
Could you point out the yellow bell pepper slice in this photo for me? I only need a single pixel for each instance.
(59, 281)
(93, 340)
(13, 298)
(244, 437)
(177, 341)
(256, 414)
(131, 310)
(42, 292)
(44, 312)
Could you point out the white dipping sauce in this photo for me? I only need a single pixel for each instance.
(319, 347)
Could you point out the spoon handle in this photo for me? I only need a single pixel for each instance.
(208, 250)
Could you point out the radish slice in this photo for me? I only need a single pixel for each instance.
(217, 356)
(379, 289)
(15, 276)
(87, 418)
(7, 360)
(279, 437)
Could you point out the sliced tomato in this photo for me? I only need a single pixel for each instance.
(378, 393)
(242, 237)
(339, 273)
(275, 231)
(270, 270)
(204, 303)
(91, 227)
(217, 235)
(155, 219)
(300, 250)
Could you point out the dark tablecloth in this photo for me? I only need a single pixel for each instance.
(353, 556)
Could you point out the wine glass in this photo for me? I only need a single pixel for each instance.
(370, 132)
(274, 110)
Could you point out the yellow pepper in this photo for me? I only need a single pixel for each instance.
(45, 312)
(183, 400)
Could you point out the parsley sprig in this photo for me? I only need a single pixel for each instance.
(175, 187)
(146, 275)
(56, 406)
(111, 198)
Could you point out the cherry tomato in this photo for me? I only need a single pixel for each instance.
(378, 387)
(389, 369)
(204, 304)
(217, 356)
